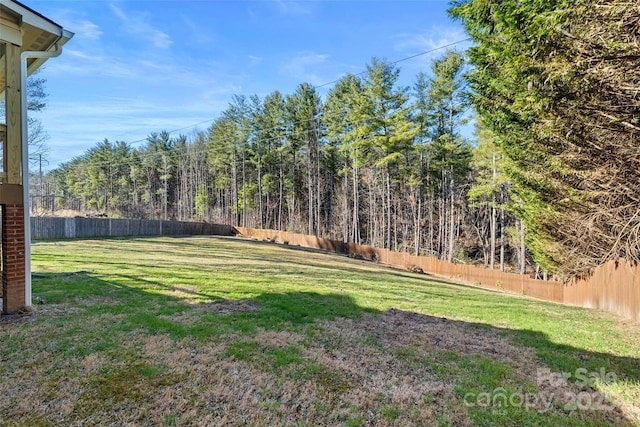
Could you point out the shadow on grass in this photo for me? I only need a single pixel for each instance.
(134, 295)
(145, 306)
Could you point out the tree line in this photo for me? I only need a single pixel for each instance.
(554, 87)
(372, 163)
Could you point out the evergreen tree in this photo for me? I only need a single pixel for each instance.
(487, 194)
(449, 165)
(343, 120)
(305, 108)
(387, 126)
(556, 81)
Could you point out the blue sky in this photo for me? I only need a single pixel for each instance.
(136, 67)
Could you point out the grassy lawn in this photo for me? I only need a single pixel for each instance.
(221, 331)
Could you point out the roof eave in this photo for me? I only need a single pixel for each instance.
(31, 17)
(34, 64)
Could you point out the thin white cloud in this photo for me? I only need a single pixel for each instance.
(305, 66)
(87, 29)
(78, 54)
(83, 63)
(254, 60)
(434, 39)
(294, 7)
(197, 33)
(143, 71)
(117, 11)
(75, 127)
(153, 65)
(436, 42)
(137, 24)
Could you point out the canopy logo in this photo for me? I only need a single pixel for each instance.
(553, 390)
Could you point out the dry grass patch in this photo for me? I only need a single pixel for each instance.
(232, 306)
(297, 338)
(402, 357)
(396, 368)
(278, 339)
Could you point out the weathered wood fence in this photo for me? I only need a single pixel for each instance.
(43, 228)
(614, 287)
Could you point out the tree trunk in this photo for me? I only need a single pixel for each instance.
(493, 221)
(388, 182)
(260, 203)
(356, 217)
(280, 192)
(452, 222)
(418, 224)
(523, 250)
(236, 201)
(244, 186)
(502, 223)
(310, 203)
(318, 158)
(332, 191)
(166, 188)
(347, 212)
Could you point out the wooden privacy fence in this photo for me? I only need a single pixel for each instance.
(43, 228)
(614, 287)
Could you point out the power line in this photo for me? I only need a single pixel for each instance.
(287, 132)
(426, 52)
(179, 155)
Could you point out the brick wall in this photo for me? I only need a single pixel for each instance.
(13, 258)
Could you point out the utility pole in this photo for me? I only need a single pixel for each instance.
(41, 194)
(40, 161)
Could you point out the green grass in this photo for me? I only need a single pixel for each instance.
(188, 331)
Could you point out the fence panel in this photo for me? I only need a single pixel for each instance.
(614, 286)
(120, 227)
(47, 228)
(43, 228)
(92, 227)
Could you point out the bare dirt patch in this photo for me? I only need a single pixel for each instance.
(20, 317)
(95, 300)
(31, 313)
(221, 307)
(225, 306)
